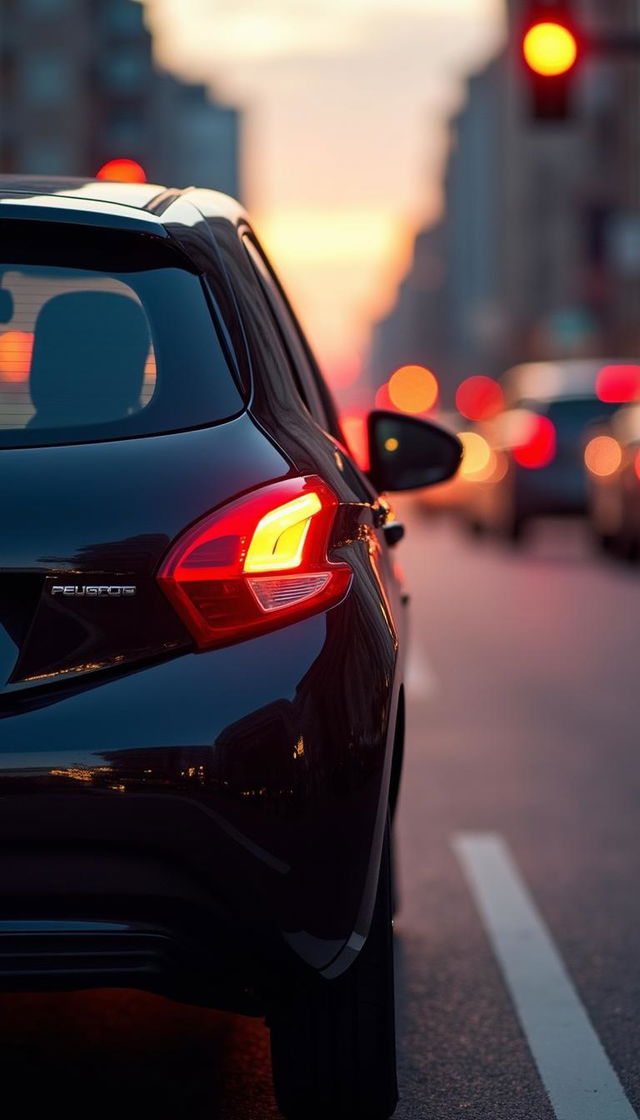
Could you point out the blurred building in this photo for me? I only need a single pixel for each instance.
(79, 86)
(539, 245)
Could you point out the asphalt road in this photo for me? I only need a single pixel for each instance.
(519, 857)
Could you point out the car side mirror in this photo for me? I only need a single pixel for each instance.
(406, 453)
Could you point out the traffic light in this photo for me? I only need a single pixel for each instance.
(550, 49)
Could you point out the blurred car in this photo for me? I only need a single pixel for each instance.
(612, 461)
(201, 636)
(448, 496)
(531, 463)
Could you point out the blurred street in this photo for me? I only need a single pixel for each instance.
(524, 712)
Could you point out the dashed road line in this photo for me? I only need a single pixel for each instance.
(574, 1068)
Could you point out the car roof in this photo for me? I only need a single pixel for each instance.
(547, 380)
(142, 207)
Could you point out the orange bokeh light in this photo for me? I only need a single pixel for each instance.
(16, 348)
(413, 389)
(602, 456)
(636, 464)
(122, 171)
(550, 49)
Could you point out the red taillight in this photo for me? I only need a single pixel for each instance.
(538, 447)
(256, 563)
(618, 384)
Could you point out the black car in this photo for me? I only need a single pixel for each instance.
(612, 459)
(535, 452)
(201, 636)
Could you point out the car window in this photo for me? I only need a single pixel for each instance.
(103, 352)
(573, 415)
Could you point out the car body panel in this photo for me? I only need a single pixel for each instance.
(156, 788)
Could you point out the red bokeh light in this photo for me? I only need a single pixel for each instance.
(616, 384)
(383, 400)
(345, 373)
(354, 427)
(122, 171)
(479, 398)
(539, 447)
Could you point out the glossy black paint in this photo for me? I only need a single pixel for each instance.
(229, 804)
(106, 513)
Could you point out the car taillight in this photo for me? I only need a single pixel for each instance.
(256, 563)
(538, 446)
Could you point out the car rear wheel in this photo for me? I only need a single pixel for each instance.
(333, 1045)
(513, 530)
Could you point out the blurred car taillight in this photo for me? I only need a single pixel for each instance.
(537, 445)
(602, 456)
(618, 383)
(257, 563)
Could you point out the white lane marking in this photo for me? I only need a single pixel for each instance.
(573, 1066)
(420, 681)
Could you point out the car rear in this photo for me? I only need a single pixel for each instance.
(534, 455)
(612, 462)
(169, 784)
(200, 689)
(548, 455)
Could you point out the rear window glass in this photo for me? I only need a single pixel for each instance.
(571, 417)
(107, 352)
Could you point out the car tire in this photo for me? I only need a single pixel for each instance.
(604, 542)
(474, 528)
(333, 1044)
(513, 532)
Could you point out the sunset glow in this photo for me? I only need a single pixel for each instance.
(346, 110)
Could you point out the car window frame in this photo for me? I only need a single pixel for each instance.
(305, 373)
(304, 369)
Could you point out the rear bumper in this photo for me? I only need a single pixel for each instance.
(225, 809)
(62, 955)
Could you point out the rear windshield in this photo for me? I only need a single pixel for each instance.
(572, 416)
(104, 336)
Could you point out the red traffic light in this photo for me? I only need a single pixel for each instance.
(122, 171)
(550, 48)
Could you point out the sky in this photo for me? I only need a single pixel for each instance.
(346, 104)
